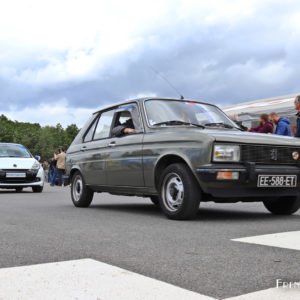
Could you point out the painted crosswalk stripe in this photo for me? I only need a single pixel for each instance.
(273, 293)
(85, 279)
(288, 240)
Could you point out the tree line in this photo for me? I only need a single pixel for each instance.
(40, 140)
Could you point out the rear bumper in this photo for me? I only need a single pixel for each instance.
(246, 184)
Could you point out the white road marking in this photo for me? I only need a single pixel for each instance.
(288, 240)
(273, 293)
(85, 279)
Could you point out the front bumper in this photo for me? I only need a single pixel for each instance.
(32, 179)
(246, 184)
(15, 185)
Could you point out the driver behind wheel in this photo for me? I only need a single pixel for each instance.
(123, 129)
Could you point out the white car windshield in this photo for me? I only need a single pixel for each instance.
(8, 150)
(181, 112)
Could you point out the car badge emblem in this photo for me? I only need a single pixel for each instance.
(15, 165)
(273, 154)
(295, 155)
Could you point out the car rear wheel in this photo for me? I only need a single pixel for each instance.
(37, 189)
(81, 194)
(283, 205)
(180, 193)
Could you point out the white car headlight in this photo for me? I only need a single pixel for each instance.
(229, 153)
(36, 165)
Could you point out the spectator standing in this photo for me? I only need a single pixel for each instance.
(297, 107)
(53, 171)
(46, 169)
(282, 124)
(265, 126)
(61, 164)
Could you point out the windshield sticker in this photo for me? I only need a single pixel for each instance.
(189, 102)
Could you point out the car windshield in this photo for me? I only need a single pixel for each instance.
(8, 150)
(181, 112)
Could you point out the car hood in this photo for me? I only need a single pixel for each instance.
(243, 137)
(21, 163)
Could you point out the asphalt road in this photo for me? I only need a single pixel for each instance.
(132, 233)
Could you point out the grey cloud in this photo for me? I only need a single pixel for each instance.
(217, 63)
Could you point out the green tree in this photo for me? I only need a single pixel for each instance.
(43, 141)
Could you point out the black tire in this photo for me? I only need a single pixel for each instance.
(177, 181)
(155, 200)
(81, 194)
(19, 189)
(37, 189)
(283, 205)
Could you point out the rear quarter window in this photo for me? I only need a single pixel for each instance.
(104, 124)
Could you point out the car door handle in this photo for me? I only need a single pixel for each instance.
(112, 144)
(83, 148)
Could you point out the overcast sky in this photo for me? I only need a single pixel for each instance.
(60, 60)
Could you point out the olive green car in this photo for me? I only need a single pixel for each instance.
(180, 153)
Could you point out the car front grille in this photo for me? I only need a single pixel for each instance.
(268, 154)
(30, 176)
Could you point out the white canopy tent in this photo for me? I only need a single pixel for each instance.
(248, 112)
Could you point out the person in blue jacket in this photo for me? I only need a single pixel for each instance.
(282, 124)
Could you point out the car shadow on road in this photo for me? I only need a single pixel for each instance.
(204, 214)
(134, 208)
(220, 214)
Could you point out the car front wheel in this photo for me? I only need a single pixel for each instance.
(37, 189)
(81, 194)
(180, 193)
(155, 200)
(283, 205)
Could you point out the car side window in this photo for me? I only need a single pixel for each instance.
(123, 117)
(89, 135)
(128, 115)
(104, 124)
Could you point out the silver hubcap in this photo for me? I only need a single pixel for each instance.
(173, 192)
(77, 188)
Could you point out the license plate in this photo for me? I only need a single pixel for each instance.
(15, 175)
(277, 181)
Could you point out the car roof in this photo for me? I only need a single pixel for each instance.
(149, 98)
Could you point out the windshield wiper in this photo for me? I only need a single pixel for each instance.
(220, 124)
(178, 122)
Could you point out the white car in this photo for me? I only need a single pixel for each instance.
(19, 169)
